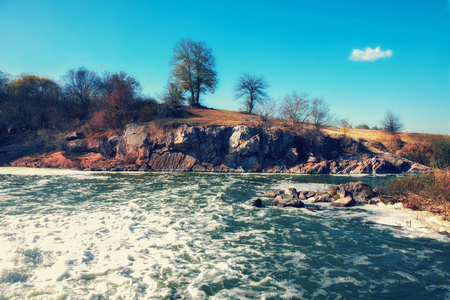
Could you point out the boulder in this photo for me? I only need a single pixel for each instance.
(361, 192)
(306, 194)
(273, 193)
(288, 200)
(322, 198)
(332, 190)
(291, 191)
(344, 202)
(257, 203)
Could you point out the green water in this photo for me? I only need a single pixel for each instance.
(78, 235)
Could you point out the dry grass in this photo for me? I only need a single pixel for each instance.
(430, 193)
(211, 117)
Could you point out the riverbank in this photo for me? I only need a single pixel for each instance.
(223, 149)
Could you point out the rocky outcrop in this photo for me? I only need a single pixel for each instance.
(344, 195)
(220, 149)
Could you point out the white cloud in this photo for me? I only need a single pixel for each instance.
(369, 54)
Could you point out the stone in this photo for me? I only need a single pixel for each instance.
(360, 191)
(257, 203)
(74, 136)
(374, 200)
(312, 208)
(273, 193)
(332, 190)
(322, 198)
(288, 201)
(344, 202)
(291, 191)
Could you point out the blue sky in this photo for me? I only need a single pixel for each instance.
(296, 45)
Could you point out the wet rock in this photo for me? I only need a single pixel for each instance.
(306, 194)
(344, 202)
(322, 198)
(288, 200)
(332, 190)
(291, 191)
(273, 193)
(312, 208)
(361, 192)
(257, 203)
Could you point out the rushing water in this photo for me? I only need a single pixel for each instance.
(81, 235)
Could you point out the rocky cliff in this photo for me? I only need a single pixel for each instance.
(215, 149)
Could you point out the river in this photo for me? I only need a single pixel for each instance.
(98, 235)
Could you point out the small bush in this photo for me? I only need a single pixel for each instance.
(393, 142)
(431, 193)
(440, 149)
(416, 152)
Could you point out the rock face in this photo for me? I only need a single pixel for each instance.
(220, 149)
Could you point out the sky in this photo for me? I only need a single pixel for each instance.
(363, 57)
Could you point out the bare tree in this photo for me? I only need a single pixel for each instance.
(391, 123)
(295, 108)
(194, 68)
(81, 85)
(252, 88)
(345, 124)
(320, 114)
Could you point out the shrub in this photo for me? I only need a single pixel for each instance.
(431, 193)
(362, 126)
(416, 152)
(393, 142)
(440, 149)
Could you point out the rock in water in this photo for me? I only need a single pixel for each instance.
(344, 202)
(323, 198)
(291, 191)
(359, 191)
(273, 193)
(257, 203)
(288, 200)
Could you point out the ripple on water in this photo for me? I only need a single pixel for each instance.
(167, 236)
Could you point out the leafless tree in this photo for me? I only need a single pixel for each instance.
(295, 108)
(81, 86)
(391, 123)
(252, 89)
(320, 114)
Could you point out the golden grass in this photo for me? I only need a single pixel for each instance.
(220, 117)
(212, 117)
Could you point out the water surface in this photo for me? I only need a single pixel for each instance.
(87, 235)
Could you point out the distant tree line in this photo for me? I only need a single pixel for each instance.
(29, 102)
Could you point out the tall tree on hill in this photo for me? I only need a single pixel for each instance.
(253, 89)
(391, 123)
(194, 68)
